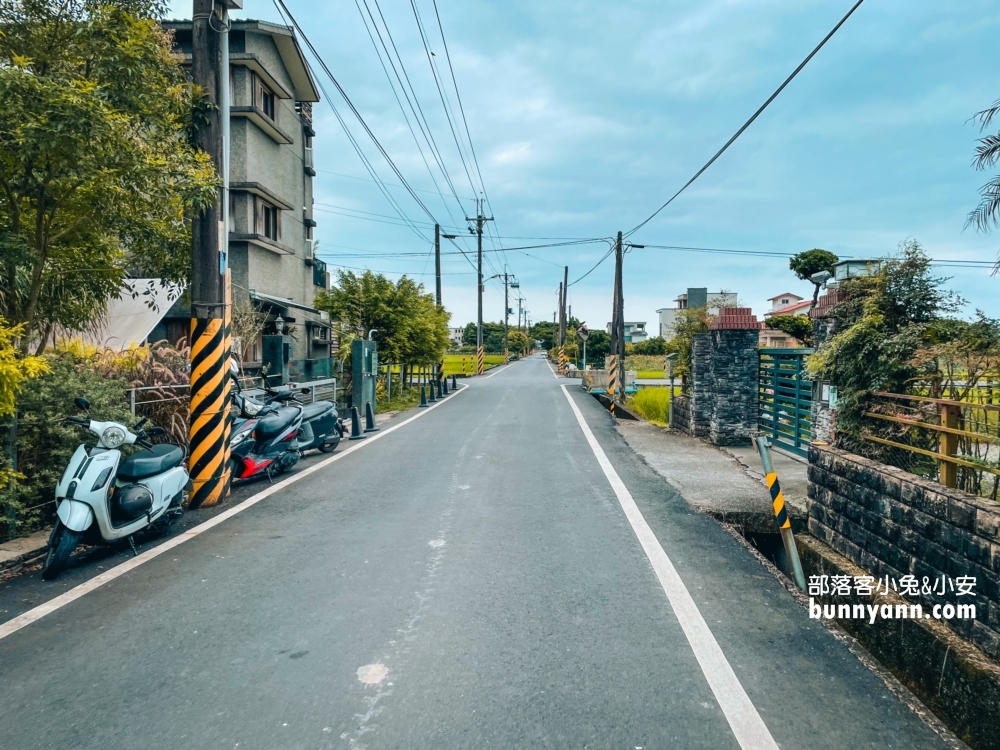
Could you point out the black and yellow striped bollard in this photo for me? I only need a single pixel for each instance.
(781, 512)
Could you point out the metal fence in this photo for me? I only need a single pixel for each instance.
(785, 399)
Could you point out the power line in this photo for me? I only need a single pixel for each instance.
(418, 113)
(357, 147)
(753, 117)
(354, 109)
(406, 119)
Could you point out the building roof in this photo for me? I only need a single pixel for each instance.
(785, 294)
(285, 40)
(790, 309)
(130, 319)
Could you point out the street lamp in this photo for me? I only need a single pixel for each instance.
(279, 323)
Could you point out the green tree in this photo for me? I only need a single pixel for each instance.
(688, 323)
(518, 341)
(490, 341)
(544, 332)
(810, 262)
(598, 347)
(409, 326)
(986, 215)
(97, 172)
(883, 323)
(797, 326)
(655, 345)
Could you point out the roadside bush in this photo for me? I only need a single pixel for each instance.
(44, 444)
(652, 404)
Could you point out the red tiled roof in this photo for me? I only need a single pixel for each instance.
(789, 309)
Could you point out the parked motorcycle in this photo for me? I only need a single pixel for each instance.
(103, 499)
(254, 444)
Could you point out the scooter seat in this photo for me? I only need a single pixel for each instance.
(270, 425)
(149, 462)
(310, 411)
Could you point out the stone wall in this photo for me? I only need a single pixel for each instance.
(680, 413)
(735, 372)
(722, 394)
(701, 385)
(893, 524)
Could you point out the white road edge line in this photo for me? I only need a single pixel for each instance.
(746, 723)
(37, 613)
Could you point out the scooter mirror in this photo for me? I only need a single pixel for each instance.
(81, 403)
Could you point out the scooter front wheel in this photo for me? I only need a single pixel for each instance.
(61, 546)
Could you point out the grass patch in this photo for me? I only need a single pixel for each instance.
(649, 374)
(652, 404)
(453, 363)
(401, 399)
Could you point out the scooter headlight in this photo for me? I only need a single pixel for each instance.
(252, 408)
(112, 437)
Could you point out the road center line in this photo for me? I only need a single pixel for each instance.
(746, 723)
(37, 613)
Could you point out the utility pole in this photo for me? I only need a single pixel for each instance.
(437, 278)
(562, 320)
(210, 310)
(506, 307)
(480, 221)
(618, 329)
(437, 263)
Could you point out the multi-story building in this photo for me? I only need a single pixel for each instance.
(788, 303)
(694, 298)
(271, 243)
(635, 332)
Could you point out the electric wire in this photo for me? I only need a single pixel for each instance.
(354, 109)
(418, 112)
(388, 78)
(753, 117)
(357, 147)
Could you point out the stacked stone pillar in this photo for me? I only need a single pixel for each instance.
(724, 379)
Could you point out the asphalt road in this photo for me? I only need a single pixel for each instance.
(470, 580)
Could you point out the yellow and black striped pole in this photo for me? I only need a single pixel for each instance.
(506, 356)
(613, 381)
(781, 512)
(562, 359)
(210, 418)
(479, 361)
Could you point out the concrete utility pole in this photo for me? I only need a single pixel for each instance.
(437, 263)
(562, 320)
(480, 221)
(506, 306)
(618, 324)
(210, 310)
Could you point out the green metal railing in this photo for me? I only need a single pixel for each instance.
(785, 399)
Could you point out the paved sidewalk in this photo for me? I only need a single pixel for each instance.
(721, 482)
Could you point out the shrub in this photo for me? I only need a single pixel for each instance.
(44, 444)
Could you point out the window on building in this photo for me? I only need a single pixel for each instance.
(267, 219)
(784, 301)
(263, 97)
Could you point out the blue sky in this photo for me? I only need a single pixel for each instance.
(586, 116)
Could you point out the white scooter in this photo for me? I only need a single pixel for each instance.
(102, 499)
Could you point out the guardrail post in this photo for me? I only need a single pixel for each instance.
(780, 512)
(948, 445)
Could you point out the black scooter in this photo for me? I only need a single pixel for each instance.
(269, 437)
